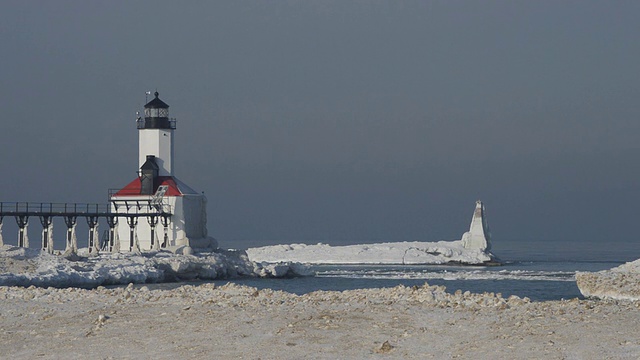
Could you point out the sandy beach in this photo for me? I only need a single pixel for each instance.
(238, 322)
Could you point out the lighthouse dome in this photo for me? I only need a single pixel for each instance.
(156, 115)
(156, 103)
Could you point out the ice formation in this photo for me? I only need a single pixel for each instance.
(26, 267)
(478, 236)
(619, 283)
(473, 249)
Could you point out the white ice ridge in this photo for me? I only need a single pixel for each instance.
(472, 249)
(619, 283)
(26, 267)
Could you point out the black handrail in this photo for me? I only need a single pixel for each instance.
(30, 208)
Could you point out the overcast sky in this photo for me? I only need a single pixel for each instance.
(337, 121)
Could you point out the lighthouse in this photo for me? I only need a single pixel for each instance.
(155, 136)
(175, 215)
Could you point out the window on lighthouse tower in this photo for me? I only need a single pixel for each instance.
(156, 112)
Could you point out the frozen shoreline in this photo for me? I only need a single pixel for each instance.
(26, 267)
(619, 283)
(233, 321)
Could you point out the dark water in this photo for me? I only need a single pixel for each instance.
(538, 280)
(540, 271)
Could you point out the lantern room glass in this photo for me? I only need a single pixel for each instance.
(156, 112)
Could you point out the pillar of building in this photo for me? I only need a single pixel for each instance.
(72, 241)
(132, 221)
(50, 239)
(92, 221)
(112, 221)
(153, 221)
(23, 237)
(46, 221)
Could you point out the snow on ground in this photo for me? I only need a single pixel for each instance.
(622, 282)
(25, 267)
(49, 321)
(233, 322)
(441, 252)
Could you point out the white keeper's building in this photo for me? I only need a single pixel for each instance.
(182, 220)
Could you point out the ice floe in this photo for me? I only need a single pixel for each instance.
(25, 267)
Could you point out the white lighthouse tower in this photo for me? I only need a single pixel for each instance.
(175, 215)
(156, 136)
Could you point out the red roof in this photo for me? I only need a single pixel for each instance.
(176, 187)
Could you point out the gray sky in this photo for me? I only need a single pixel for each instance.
(337, 121)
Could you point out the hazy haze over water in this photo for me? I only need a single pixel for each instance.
(337, 121)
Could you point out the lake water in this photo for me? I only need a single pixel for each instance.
(537, 270)
(538, 280)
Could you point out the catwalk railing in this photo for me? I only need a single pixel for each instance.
(154, 209)
(116, 208)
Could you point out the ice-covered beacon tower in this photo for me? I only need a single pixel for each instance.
(479, 235)
(161, 211)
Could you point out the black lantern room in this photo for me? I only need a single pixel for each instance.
(156, 115)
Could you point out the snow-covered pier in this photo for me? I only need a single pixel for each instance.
(474, 248)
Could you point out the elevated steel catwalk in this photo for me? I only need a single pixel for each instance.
(143, 207)
(153, 209)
